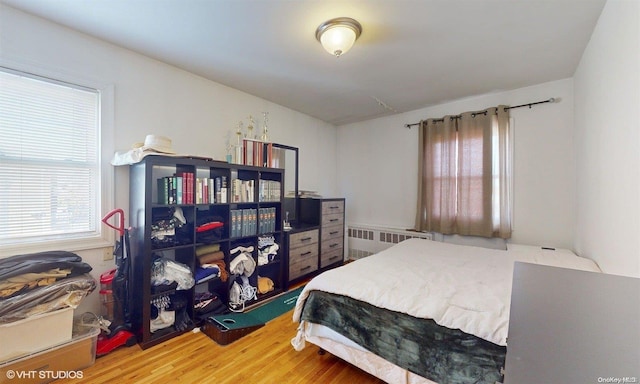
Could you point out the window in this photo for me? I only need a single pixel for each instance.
(50, 168)
(465, 167)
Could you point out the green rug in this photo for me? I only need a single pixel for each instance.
(225, 329)
(276, 307)
(262, 314)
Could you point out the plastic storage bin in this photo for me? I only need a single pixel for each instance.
(64, 360)
(35, 333)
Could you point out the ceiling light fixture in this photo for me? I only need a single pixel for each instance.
(338, 35)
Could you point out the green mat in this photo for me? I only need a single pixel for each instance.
(276, 307)
(260, 315)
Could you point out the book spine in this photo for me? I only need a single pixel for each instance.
(223, 190)
(179, 191)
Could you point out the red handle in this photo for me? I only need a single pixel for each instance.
(119, 228)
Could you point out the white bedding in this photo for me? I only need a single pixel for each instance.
(459, 287)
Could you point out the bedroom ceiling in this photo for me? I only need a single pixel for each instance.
(411, 54)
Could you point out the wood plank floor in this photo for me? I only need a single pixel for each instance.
(264, 356)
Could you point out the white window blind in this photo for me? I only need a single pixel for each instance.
(49, 159)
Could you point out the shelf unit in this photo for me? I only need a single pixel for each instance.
(260, 194)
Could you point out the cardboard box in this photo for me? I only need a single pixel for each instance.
(35, 333)
(65, 360)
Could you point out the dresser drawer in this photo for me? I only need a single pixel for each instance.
(302, 253)
(329, 207)
(331, 257)
(332, 219)
(303, 267)
(303, 238)
(332, 232)
(331, 245)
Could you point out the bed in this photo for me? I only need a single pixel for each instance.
(421, 311)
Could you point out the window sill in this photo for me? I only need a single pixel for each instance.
(64, 245)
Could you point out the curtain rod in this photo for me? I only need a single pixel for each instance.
(551, 100)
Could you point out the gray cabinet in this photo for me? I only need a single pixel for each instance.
(317, 241)
(331, 232)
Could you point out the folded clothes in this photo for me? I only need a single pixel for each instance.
(203, 274)
(209, 248)
(41, 262)
(211, 257)
(209, 226)
(223, 271)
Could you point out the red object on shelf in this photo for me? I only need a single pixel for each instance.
(209, 226)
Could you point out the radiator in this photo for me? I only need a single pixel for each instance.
(365, 240)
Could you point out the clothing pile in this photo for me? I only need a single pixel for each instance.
(169, 228)
(207, 304)
(210, 263)
(242, 266)
(267, 249)
(39, 283)
(209, 227)
(170, 309)
(267, 253)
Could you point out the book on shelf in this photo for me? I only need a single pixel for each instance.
(242, 191)
(266, 220)
(176, 189)
(244, 222)
(269, 190)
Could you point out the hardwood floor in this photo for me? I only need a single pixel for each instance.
(264, 356)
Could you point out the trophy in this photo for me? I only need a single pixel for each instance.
(286, 226)
(265, 136)
(250, 128)
(229, 148)
(238, 146)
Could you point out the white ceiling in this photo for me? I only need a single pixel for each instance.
(412, 53)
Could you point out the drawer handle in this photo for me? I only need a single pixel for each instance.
(334, 207)
(333, 245)
(306, 253)
(332, 220)
(306, 239)
(305, 268)
(334, 232)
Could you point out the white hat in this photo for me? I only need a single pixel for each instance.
(156, 143)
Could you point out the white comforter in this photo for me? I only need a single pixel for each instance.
(459, 287)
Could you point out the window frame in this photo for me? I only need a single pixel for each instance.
(103, 237)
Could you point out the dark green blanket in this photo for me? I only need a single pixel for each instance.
(419, 345)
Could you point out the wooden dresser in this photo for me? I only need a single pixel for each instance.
(303, 253)
(331, 232)
(317, 241)
(329, 215)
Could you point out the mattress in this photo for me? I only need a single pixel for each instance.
(458, 287)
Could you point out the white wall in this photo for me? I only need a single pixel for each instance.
(607, 117)
(377, 164)
(152, 97)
